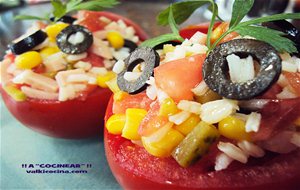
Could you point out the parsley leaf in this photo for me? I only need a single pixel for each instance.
(60, 8)
(273, 37)
(271, 18)
(239, 11)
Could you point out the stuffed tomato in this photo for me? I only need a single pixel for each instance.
(55, 79)
(226, 120)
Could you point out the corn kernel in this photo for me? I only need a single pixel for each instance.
(233, 128)
(47, 51)
(165, 145)
(118, 96)
(168, 48)
(134, 117)
(102, 79)
(28, 60)
(168, 107)
(297, 122)
(115, 124)
(188, 54)
(115, 39)
(15, 93)
(187, 126)
(113, 85)
(54, 29)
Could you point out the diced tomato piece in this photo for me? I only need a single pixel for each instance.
(152, 121)
(221, 29)
(294, 81)
(94, 59)
(178, 77)
(91, 20)
(140, 100)
(277, 115)
(10, 56)
(189, 31)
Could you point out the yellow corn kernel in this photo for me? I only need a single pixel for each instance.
(168, 48)
(115, 39)
(102, 79)
(115, 124)
(15, 93)
(118, 96)
(54, 29)
(188, 53)
(47, 51)
(28, 60)
(168, 107)
(165, 146)
(233, 128)
(188, 125)
(134, 117)
(297, 122)
(113, 85)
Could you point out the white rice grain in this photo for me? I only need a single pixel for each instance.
(253, 122)
(190, 106)
(78, 78)
(77, 57)
(240, 70)
(83, 65)
(215, 111)
(180, 117)
(98, 70)
(251, 149)
(131, 76)
(233, 152)
(222, 162)
(200, 89)
(286, 93)
(119, 66)
(296, 139)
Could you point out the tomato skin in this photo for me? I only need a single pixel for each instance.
(65, 119)
(134, 168)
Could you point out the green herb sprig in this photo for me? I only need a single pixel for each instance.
(239, 11)
(59, 8)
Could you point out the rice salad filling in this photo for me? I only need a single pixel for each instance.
(70, 62)
(191, 126)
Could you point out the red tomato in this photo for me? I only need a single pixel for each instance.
(134, 168)
(294, 81)
(93, 23)
(189, 31)
(65, 119)
(94, 59)
(140, 100)
(152, 121)
(77, 118)
(277, 115)
(178, 77)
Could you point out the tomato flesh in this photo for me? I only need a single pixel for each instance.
(294, 81)
(134, 168)
(178, 77)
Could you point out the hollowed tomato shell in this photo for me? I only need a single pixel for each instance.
(72, 119)
(135, 169)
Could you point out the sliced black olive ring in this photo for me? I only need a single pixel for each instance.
(130, 44)
(65, 19)
(139, 55)
(215, 69)
(28, 43)
(286, 27)
(62, 40)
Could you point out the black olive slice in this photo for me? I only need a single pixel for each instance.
(144, 54)
(65, 19)
(215, 69)
(64, 44)
(130, 44)
(28, 43)
(161, 46)
(286, 27)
